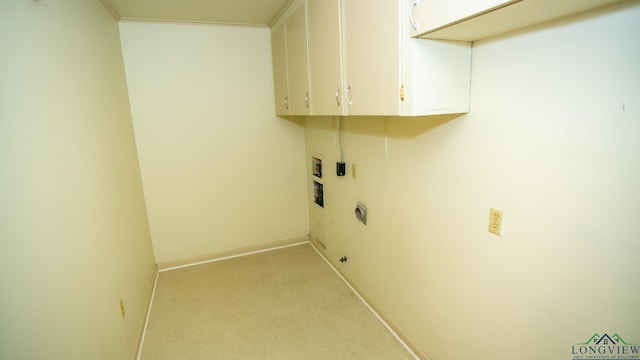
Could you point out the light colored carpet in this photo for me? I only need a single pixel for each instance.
(282, 304)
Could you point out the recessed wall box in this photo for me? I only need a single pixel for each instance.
(316, 167)
(318, 193)
(361, 213)
(340, 168)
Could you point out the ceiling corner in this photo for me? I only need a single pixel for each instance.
(281, 12)
(111, 10)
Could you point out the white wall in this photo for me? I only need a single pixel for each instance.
(553, 139)
(220, 171)
(74, 238)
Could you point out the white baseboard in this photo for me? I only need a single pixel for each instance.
(229, 254)
(143, 331)
(397, 333)
(411, 347)
(207, 259)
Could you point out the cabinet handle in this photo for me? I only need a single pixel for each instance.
(338, 95)
(286, 102)
(348, 95)
(414, 24)
(306, 99)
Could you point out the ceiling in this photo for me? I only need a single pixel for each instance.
(246, 12)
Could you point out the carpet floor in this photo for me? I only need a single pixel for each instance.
(281, 304)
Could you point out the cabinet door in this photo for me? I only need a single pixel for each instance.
(297, 62)
(279, 59)
(432, 14)
(325, 56)
(372, 56)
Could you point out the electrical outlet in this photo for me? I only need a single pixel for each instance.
(122, 308)
(495, 221)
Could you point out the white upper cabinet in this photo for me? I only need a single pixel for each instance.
(325, 56)
(290, 63)
(364, 62)
(473, 20)
(279, 58)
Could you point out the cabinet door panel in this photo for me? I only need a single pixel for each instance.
(279, 58)
(372, 56)
(325, 56)
(297, 62)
